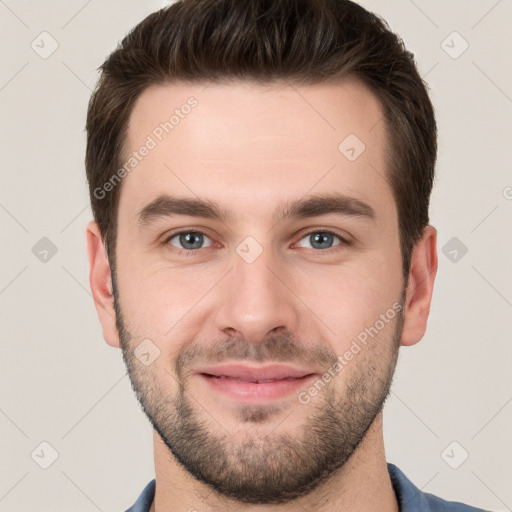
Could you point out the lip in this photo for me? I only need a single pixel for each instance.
(255, 373)
(252, 383)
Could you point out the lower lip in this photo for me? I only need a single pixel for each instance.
(256, 391)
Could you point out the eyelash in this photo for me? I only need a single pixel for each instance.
(344, 241)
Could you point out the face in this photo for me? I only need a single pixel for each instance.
(260, 325)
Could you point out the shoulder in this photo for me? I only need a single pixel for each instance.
(412, 499)
(145, 499)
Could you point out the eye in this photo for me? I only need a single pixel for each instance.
(191, 241)
(188, 240)
(323, 239)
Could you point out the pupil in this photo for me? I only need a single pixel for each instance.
(191, 238)
(321, 238)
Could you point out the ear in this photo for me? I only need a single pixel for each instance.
(100, 280)
(420, 287)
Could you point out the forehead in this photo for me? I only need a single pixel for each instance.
(245, 144)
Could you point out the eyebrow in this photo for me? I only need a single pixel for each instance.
(312, 206)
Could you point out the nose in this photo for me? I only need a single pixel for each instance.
(257, 298)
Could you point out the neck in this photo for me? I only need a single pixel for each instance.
(362, 484)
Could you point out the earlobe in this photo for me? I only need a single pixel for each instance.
(420, 287)
(100, 281)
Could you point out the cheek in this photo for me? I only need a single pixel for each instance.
(158, 303)
(350, 300)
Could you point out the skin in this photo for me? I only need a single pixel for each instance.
(250, 148)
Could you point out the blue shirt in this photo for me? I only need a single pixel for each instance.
(409, 497)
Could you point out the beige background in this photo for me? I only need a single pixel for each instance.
(63, 385)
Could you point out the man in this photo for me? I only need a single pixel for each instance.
(260, 175)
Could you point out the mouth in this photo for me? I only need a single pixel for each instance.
(253, 384)
(254, 381)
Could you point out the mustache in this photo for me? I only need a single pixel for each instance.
(282, 348)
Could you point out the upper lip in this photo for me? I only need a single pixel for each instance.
(255, 373)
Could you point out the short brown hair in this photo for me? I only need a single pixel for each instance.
(263, 41)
